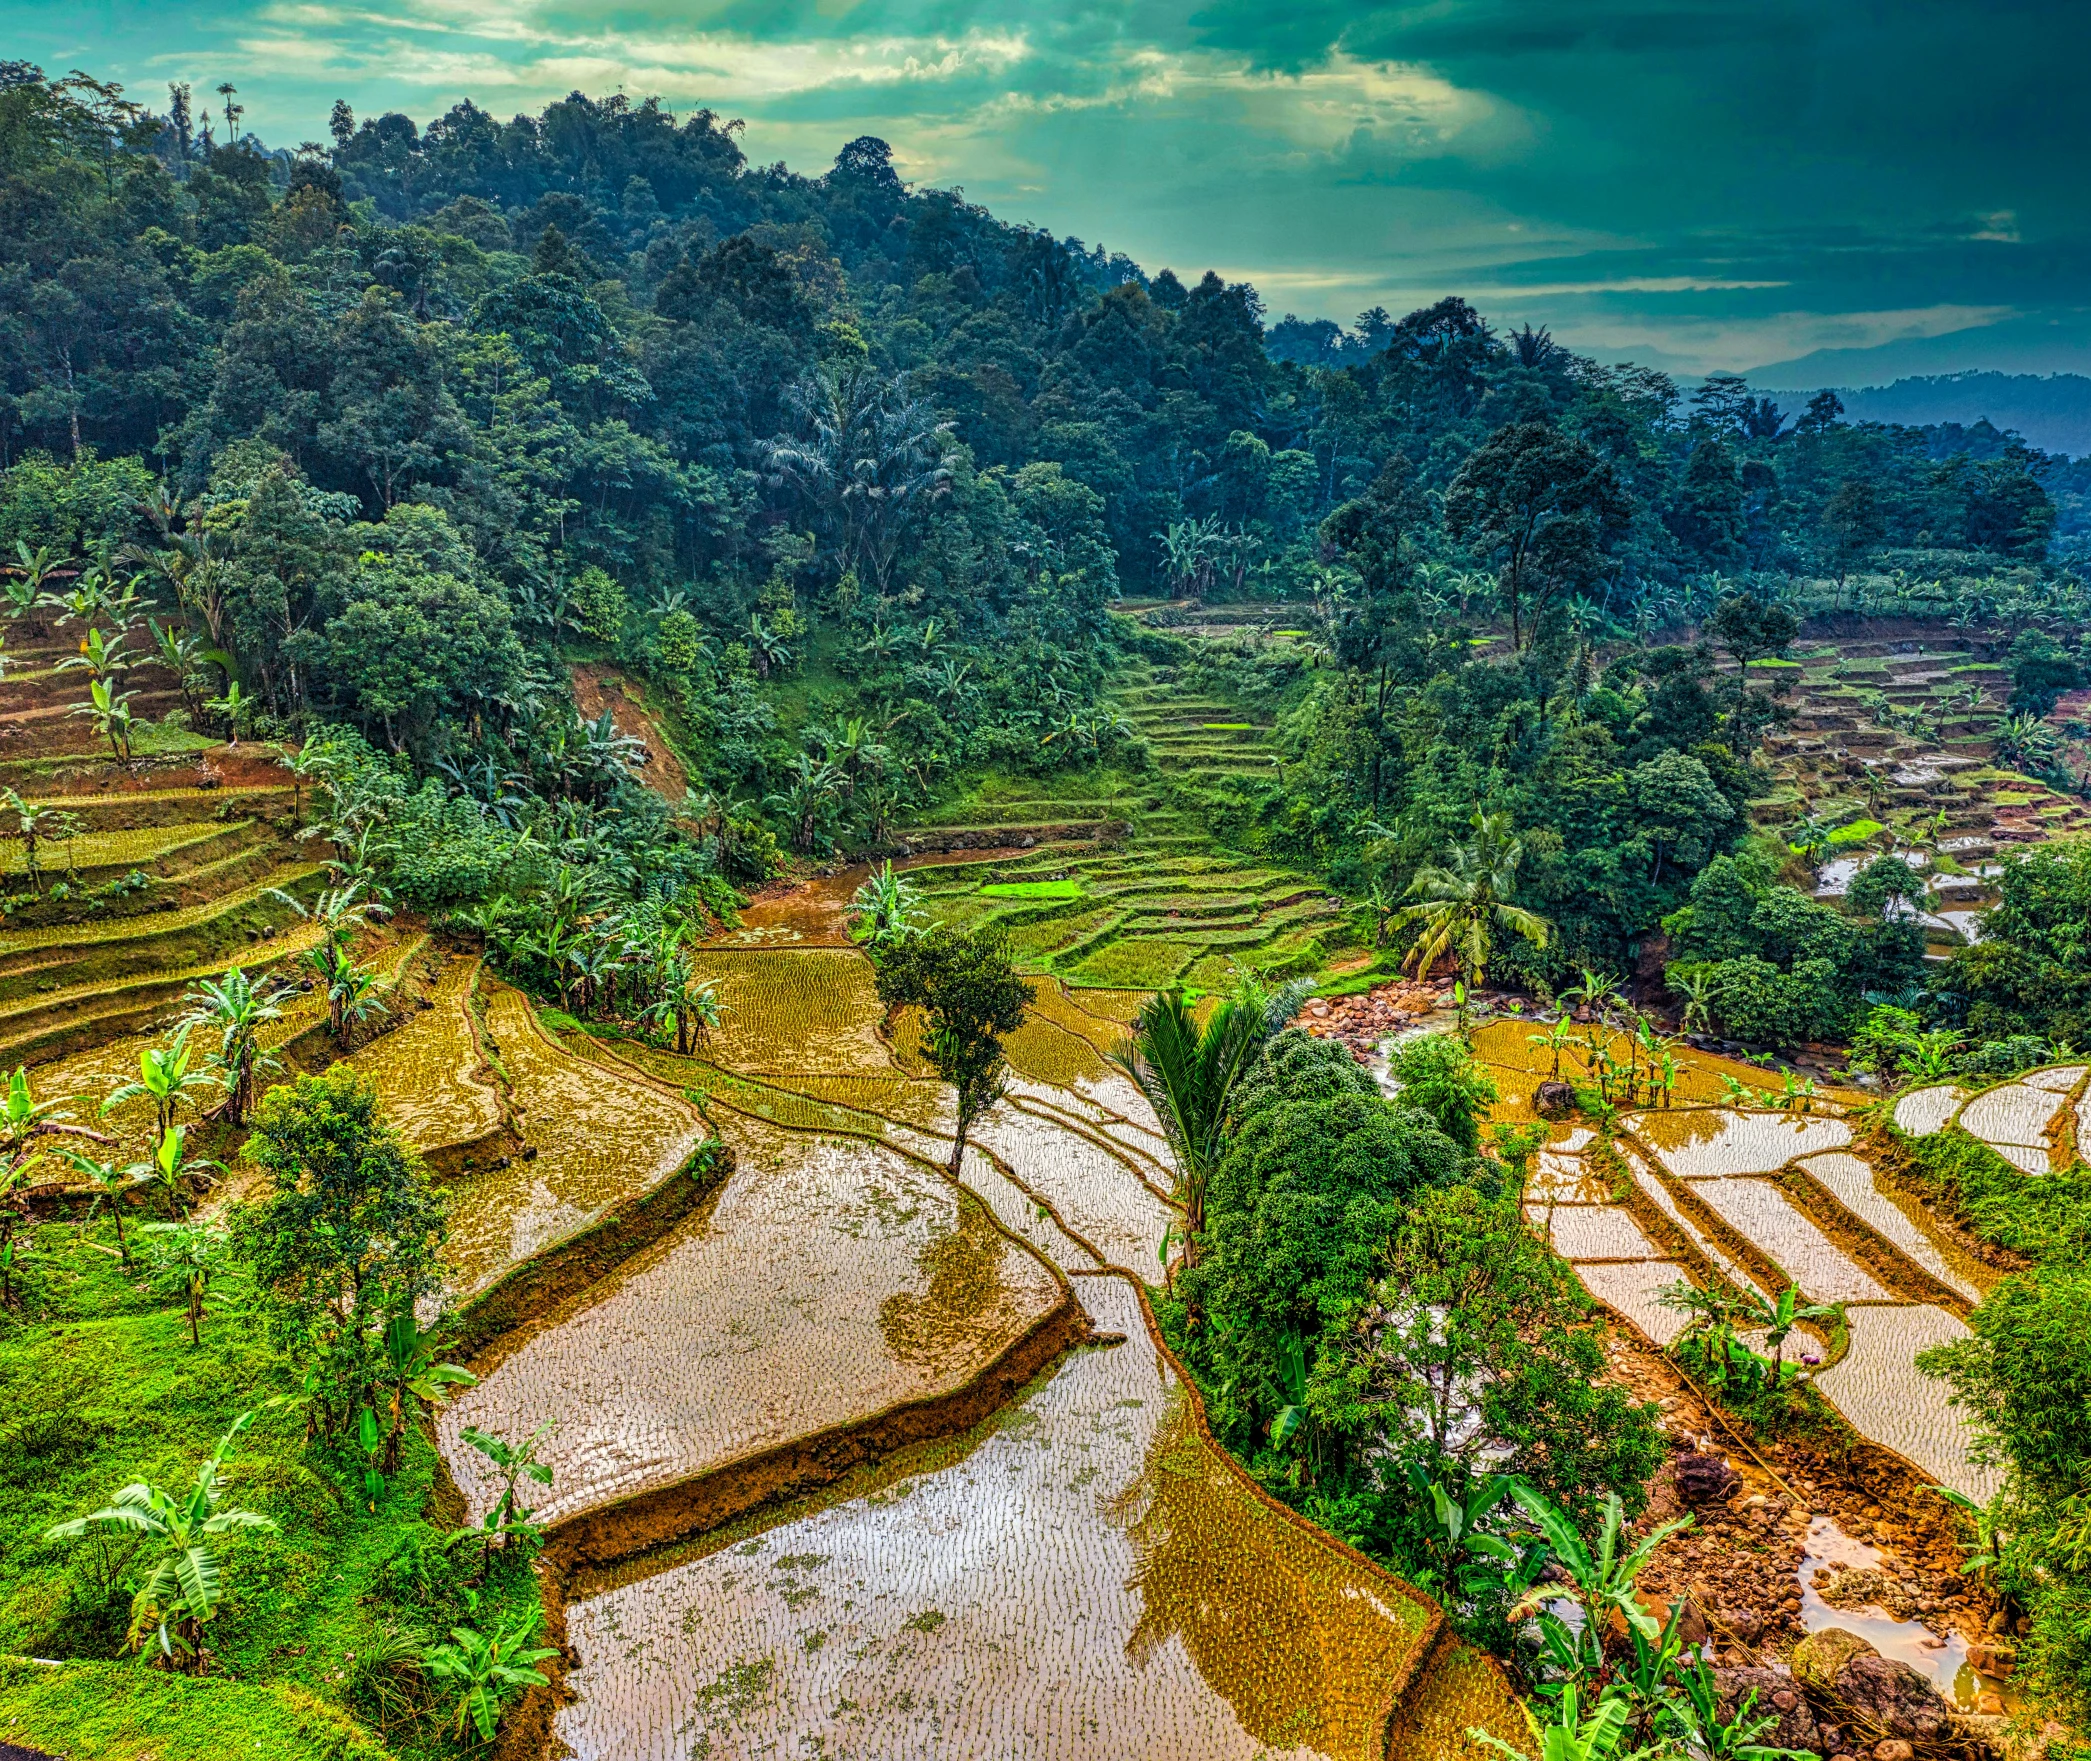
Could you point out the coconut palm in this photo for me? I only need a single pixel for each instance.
(185, 1585)
(1463, 902)
(1189, 1074)
(237, 1012)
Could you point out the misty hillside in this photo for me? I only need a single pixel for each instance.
(2053, 412)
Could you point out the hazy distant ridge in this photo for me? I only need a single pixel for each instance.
(2052, 411)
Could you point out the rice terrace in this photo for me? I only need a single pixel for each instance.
(788, 973)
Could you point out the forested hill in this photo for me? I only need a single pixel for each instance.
(391, 430)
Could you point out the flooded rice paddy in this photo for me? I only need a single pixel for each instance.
(831, 1279)
(1875, 1386)
(592, 1139)
(1085, 1574)
(1090, 1579)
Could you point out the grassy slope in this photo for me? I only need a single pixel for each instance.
(108, 1390)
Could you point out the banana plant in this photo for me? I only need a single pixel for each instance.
(187, 1257)
(100, 657)
(410, 1374)
(110, 711)
(485, 1667)
(186, 1584)
(1571, 1735)
(507, 1518)
(163, 1075)
(1988, 1520)
(1601, 1579)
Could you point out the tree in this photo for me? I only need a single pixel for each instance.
(185, 1586)
(1463, 902)
(347, 1237)
(1439, 1075)
(1852, 521)
(1751, 629)
(1188, 1074)
(869, 456)
(1316, 1172)
(965, 984)
(1486, 1356)
(1544, 502)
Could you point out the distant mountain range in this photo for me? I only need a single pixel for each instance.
(2053, 411)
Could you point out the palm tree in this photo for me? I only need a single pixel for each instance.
(185, 1586)
(1463, 902)
(1189, 1075)
(870, 456)
(238, 1012)
(163, 1074)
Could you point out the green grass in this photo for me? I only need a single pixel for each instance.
(1227, 727)
(105, 1389)
(1045, 889)
(118, 1712)
(1857, 832)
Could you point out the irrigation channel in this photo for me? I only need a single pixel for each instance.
(853, 1457)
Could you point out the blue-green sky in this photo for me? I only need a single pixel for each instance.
(1697, 183)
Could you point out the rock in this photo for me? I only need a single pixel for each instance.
(1554, 1100)
(1992, 1658)
(1883, 1695)
(1705, 1479)
(1894, 1749)
(1796, 1728)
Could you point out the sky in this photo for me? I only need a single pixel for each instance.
(1853, 188)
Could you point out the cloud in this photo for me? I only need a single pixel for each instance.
(1708, 176)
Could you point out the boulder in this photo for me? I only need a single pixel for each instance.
(1777, 1697)
(1704, 1480)
(1554, 1100)
(1881, 1695)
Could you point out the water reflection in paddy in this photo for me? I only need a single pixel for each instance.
(1878, 1387)
(1090, 1581)
(1852, 1183)
(832, 1279)
(1705, 1142)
